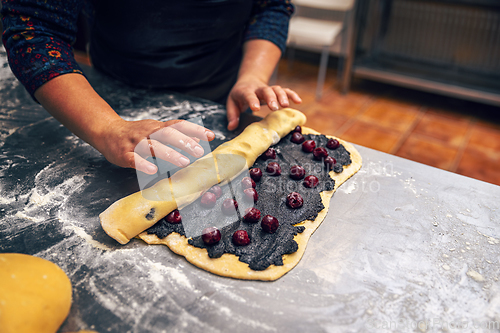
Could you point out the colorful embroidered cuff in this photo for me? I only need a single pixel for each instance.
(38, 37)
(34, 65)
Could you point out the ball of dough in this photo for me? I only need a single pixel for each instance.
(35, 294)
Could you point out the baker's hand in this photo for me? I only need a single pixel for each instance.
(250, 92)
(126, 143)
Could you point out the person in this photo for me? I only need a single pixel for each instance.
(222, 50)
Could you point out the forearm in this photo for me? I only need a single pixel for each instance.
(72, 101)
(260, 58)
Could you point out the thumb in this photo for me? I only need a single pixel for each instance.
(233, 114)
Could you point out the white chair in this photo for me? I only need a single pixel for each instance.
(312, 33)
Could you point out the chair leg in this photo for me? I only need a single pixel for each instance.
(350, 47)
(322, 71)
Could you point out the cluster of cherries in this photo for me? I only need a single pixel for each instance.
(212, 235)
(269, 223)
(294, 199)
(297, 172)
(319, 153)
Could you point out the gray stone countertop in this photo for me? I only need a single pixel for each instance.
(405, 247)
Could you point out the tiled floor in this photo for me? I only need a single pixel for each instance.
(447, 133)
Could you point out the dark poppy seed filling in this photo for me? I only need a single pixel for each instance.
(338, 168)
(162, 229)
(265, 248)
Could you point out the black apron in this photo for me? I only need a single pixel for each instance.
(189, 46)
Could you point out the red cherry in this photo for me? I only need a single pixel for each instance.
(208, 200)
(247, 182)
(297, 172)
(273, 169)
(252, 214)
(320, 153)
(269, 224)
(330, 162)
(210, 235)
(216, 190)
(251, 195)
(256, 174)
(311, 181)
(297, 129)
(308, 146)
(332, 144)
(297, 138)
(269, 154)
(229, 207)
(240, 237)
(294, 200)
(174, 217)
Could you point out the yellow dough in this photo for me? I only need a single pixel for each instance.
(229, 264)
(35, 294)
(128, 217)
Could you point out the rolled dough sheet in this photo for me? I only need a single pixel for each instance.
(135, 213)
(229, 265)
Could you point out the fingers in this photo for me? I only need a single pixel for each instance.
(269, 97)
(153, 148)
(170, 135)
(176, 133)
(190, 129)
(251, 92)
(293, 95)
(183, 135)
(277, 97)
(130, 143)
(253, 101)
(282, 96)
(136, 161)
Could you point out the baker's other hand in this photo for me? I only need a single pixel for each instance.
(250, 92)
(127, 143)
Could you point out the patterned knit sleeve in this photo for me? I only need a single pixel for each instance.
(269, 21)
(38, 36)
